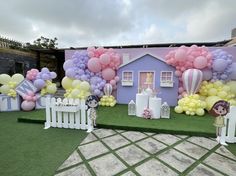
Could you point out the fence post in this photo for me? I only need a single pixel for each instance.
(231, 138)
(48, 113)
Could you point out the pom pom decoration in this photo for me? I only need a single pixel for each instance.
(147, 113)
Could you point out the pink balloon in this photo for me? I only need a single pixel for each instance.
(104, 59)
(113, 82)
(200, 62)
(108, 74)
(117, 78)
(94, 65)
(178, 73)
(27, 105)
(180, 55)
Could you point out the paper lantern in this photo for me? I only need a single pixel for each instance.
(165, 110)
(131, 108)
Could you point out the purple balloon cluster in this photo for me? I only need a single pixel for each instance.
(76, 67)
(97, 84)
(221, 65)
(43, 76)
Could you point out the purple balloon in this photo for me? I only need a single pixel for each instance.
(53, 75)
(97, 92)
(39, 83)
(68, 64)
(219, 65)
(70, 73)
(45, 76)
(207, 74)
(44, 70)
(233, 73)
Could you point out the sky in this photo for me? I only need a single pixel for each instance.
(83, 23)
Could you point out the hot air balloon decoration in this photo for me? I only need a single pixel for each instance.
(192, 79)
(107, 89)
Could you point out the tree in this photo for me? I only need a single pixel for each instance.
(42, 43)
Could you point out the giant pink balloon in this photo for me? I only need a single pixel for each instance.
(180, 55)
(192, 79)
(27, 105)
(108, 74)
(94, 65)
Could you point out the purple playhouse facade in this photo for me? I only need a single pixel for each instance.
(148, 60)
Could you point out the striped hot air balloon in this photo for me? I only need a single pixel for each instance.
(192, 79)
(107, 89)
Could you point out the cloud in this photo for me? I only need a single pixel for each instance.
(118, 22)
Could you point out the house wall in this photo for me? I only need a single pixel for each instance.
(147, 63)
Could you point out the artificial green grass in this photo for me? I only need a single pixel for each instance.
(28, 149)
(117, 117)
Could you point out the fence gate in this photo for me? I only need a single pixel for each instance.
(67, 113)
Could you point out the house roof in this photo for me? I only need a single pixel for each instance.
(139, 57)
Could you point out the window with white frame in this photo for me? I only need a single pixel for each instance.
(127, 78)
(166, 79)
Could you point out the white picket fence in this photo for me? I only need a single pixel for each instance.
(228, 133)
(67, 113)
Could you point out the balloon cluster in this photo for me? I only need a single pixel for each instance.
(191, 105)
(185, 58)
(9, 83)
(221, 66)
(96, 66)
(214, 91)
(75, 88)
(43, 80)
(107, 101)
(29, 101)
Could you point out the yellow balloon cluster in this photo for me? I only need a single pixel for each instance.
(191, 105)
(107, 101)
(76, 88)
(10, 83)
(50, 88)
(211, 92)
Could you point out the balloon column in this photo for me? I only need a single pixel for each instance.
(218, 72)
(93, 68)
(9, 83)
(107, 99)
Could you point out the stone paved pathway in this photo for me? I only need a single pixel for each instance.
(128, 153)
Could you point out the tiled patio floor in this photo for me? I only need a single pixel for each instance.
(127, 153)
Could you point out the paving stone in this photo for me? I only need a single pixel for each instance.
(167, 138)
(176, 159)
(107, 165)
(89, 138)
(221, 163)
(149, 134)
(132, 154)
(151, 145)
(93, 149)
(73, 159)
(154, 168)
(191, 149)
(101, 133)
(120, 131)
(129, 174)
(202, 170)
(224, 151)
(133, 135)
(204, 142)
(80, 170)
(181, 136)
(116, 141)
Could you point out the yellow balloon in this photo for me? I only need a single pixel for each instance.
(218, 84)
(200, 112)
(51, 89)
(84, 85)
(4, 78)
(212, 91)
(5, 89)
(178, 109)
(76, 84)
(66, 83)
(232, 86)
(232, 102)
(75, 93)
(17, 78)
(222, 94)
